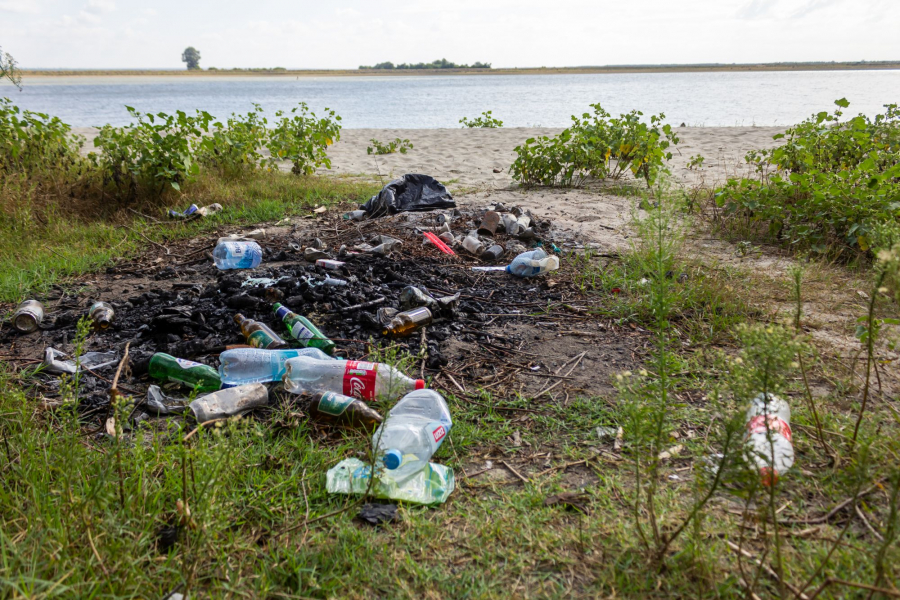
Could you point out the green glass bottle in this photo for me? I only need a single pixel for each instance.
(303, 330)
(203, 378)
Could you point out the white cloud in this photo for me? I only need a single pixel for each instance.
(86, 17)
(149, 12)
(24, 7)
(101, 6)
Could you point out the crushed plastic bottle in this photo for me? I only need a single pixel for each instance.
(365, 380)
(255, 365)
(412, 433)
(768, 438)
(535, 262)
(431, 485)
(89, 360)
(237, 255)
(229, 402)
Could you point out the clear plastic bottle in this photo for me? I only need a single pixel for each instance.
(535, 262)
(412, 433)
(365, 380)
(768, 439)
(255, 365)
(237, 255)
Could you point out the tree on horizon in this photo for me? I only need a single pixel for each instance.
(191, 57)
(9, 69)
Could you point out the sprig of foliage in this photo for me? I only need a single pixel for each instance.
(486, 120)
(829, 185)
(596, 147)
(397, 145)
(303, 139)
(32, 142)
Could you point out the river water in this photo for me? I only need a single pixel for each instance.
(696, 99)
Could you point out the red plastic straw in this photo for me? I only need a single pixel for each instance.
(439, 243)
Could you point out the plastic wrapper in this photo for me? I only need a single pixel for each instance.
(432, 485)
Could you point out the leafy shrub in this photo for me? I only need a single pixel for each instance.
(831, 182)
(157, 151)
(303, 139)
(233, 148)
(485, 120)
(598, 147)
(32, 143)
(398, 145)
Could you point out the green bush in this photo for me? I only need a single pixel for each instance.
(596, 147)
(233, 148)
(158, 151)
(32, 143)
(398, 145)
(486, 120)
(830, 185)
(303, 139)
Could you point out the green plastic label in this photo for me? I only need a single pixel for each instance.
(334, 404)
(260, 339)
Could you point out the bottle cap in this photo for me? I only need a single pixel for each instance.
(392, 459)
(420, 384)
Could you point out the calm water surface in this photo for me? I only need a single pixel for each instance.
(710, 99)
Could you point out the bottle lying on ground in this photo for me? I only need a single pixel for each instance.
(101, 314)
(259, 335)
(412, 433)
(343, 410)
(303, 330)
(229, 402)
(255, 365)
(366, 380)
(406, 322)
(194, 375)
(237, 255)
(768, 438)
(28, 316)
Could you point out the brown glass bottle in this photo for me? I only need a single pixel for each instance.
(259, 335)
(408, 321)
(344, 410)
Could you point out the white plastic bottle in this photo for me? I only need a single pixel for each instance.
(237, 255)
(365, 380)
(768, 438)
(256, 365)
(535, 262)
(412, 433)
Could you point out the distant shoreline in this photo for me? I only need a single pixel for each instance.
(605, 70)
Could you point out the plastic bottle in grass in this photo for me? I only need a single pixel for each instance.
(365, 380)
(412, 433)
(256, 365)
(237, 255)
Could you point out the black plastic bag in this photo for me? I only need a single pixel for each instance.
(412, 192)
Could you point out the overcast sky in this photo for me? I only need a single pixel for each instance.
(507, 33)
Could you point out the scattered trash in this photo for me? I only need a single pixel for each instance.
(768, 438)
(254, 365)
(356, 215)
(331, 265)
(411, 192)
(383, 245)
(490, 268)
(447, 238)
(320, 210)
(473, 245)
(406, 322)
(493, 253)
(258, 334)
(606, 433)
(574, 500)
(303, 330)
(192, 211)
(192, 374)
(329, 280)
(431, 485)
(90, 360)
(437, 241)
(256, 234)
(28, 316)
(237, 255)
(284, 222)
(671, 452)
(366, 380)
(101, 314)
(344, 410)
(529, 264)
(264, 281)
(229, 402)
(489, 223)
(378, 514)
(163, 405)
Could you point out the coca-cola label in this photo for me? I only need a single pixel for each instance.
(334, 404)
(438, 431)
(301, 332)
(187, 364)
(359, 379)
(774, 424)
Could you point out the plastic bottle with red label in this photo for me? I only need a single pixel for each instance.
(412, 432)
(365, 380)
(768, 439)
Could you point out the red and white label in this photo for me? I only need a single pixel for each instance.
(359, 379)
(439, 434)
(760, 424)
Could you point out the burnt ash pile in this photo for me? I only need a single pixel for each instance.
(500, 329)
